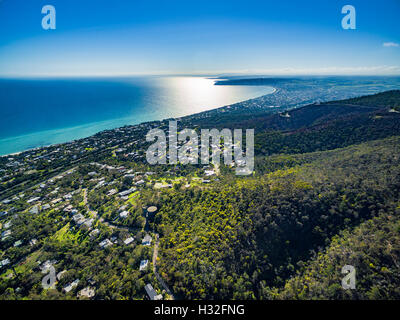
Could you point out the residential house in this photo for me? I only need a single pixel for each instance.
(126, 192)
(124, 214)
(129, 240)
(94, 233)
(4, 262)
(71, 286)
(17, 243)
(146, 240)
(34, 210)
(33, 199)
(87, 292)
(105, 243)
(152, 293)
(143, 264)
(5, 235)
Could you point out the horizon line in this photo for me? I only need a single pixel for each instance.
(196, 74)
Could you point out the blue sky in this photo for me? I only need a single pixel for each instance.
(120, 37)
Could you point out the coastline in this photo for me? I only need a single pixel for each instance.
(90, 129)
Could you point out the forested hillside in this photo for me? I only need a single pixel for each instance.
(387, 99)
(373, 248)
(246, 238)
(243, 238)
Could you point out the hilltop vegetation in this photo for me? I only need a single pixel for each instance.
(241, 238)
(373, 248)
(387, 99)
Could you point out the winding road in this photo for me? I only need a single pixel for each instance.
(128, 229)
(160, 280)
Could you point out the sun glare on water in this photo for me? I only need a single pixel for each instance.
(197, 94)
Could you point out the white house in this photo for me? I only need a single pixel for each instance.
(4, 262)
(70, 286)
(143, 264)
(129, 240)
(105, 243)
(124, 214)
(146, 240)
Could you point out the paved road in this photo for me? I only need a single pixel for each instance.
(85, 201)
(53, 173)
(107, 223)
(160, 280)
(115, 226)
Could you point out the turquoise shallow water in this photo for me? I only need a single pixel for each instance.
(39, 112)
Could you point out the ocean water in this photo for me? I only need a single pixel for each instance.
(39, 112)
